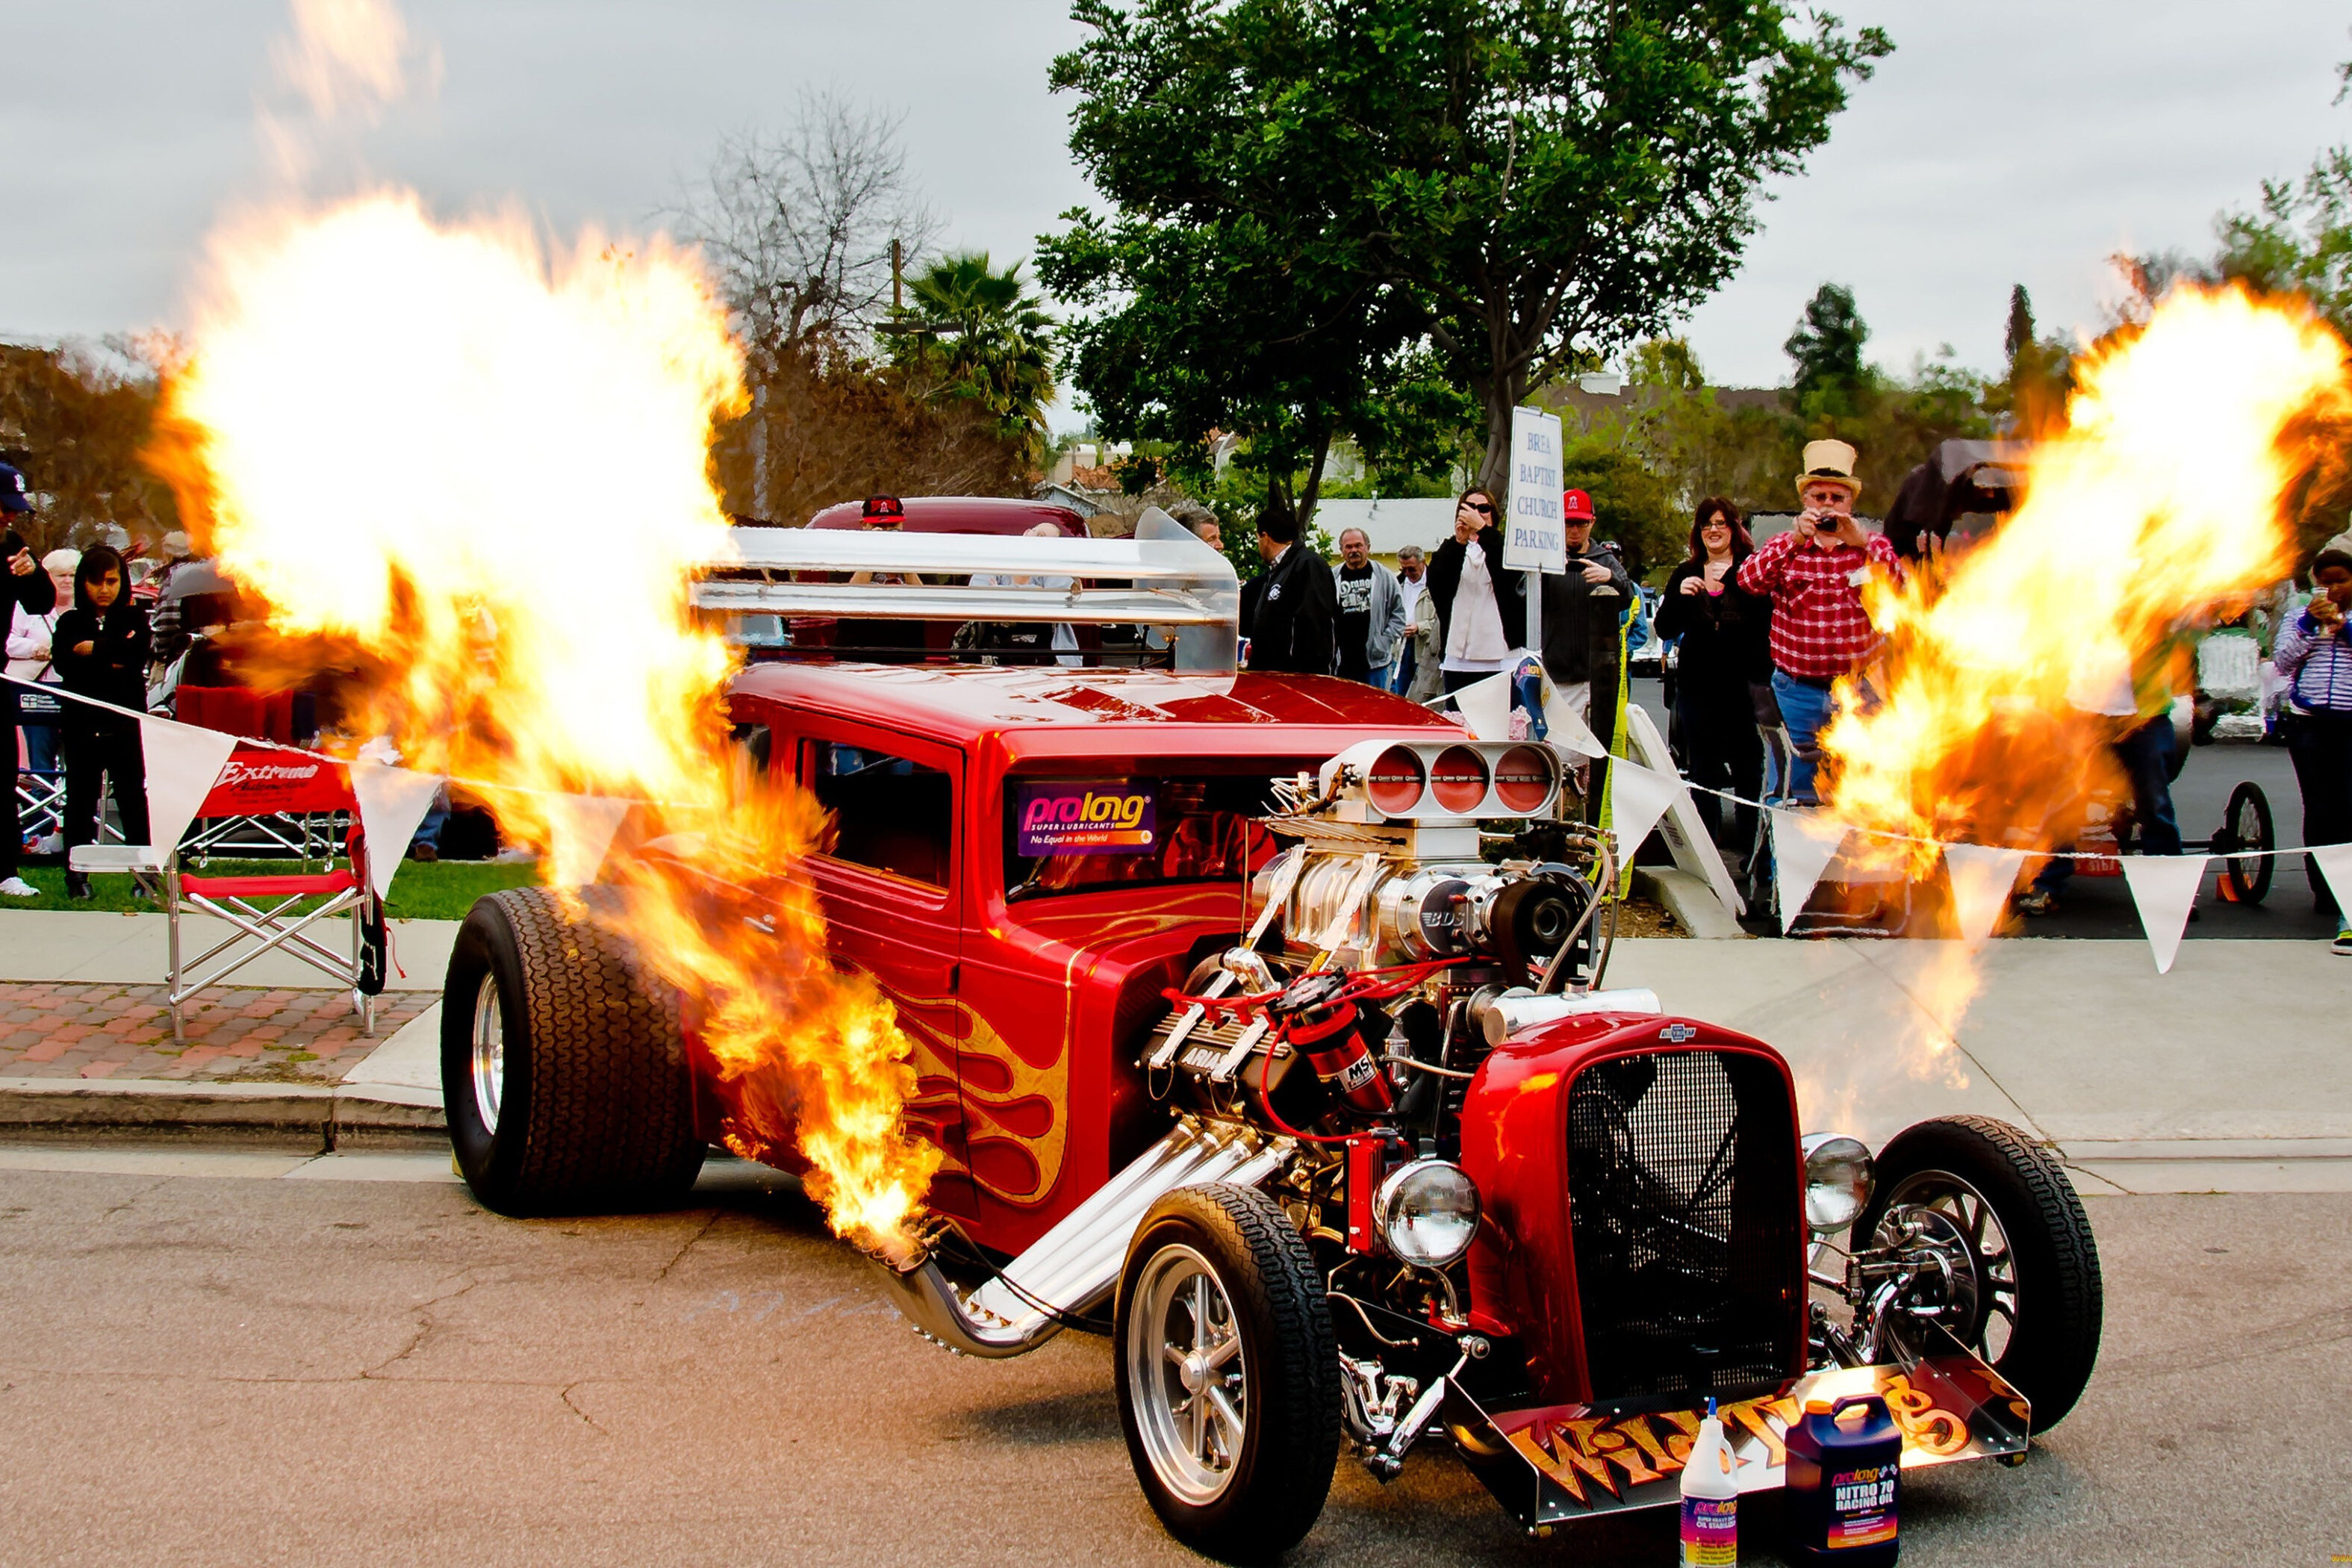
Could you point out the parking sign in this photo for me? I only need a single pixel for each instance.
(1534, 539)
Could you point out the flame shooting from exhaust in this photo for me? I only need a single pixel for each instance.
(484, 477)
(2164, 501)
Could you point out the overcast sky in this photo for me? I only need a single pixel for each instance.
(2004, 141)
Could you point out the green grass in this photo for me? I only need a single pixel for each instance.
(442, 890)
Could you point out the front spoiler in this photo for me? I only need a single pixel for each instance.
(1556, 1463)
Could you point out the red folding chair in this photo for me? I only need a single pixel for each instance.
(259, 780)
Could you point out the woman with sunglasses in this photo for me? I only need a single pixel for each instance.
(1481, 609)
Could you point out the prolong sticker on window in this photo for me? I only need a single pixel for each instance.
(1085, 816)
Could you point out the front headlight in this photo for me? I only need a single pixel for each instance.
(1428, 1211)
(1837, 1181)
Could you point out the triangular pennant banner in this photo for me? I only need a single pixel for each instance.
(1569, 731)
(2335, 863)
(581, 829)
(1486, 707)
(2164, 886)
(1802, 845)
(1642, 796)
(1981, 877)
(392, 801)
(183, 761)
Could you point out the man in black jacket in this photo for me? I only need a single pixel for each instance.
(23, 584)
(1293, 625)
(1570, 607)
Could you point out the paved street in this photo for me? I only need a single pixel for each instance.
(248, 1357)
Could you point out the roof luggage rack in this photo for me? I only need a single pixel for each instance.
(1163, 576)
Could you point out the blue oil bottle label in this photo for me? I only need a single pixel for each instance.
(1710, 1532)
(1862, 1506)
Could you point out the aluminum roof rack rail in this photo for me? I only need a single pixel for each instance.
(1163, 576)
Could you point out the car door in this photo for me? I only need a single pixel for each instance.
(893, 903)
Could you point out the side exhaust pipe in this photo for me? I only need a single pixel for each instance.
(1072, 1267)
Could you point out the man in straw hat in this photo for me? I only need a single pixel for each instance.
(1813, 575)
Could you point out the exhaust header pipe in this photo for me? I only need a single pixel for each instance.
(1072, 1267)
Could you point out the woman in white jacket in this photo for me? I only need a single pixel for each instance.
(28, 660)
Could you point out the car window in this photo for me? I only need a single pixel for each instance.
(1077, 835)
(890, 812)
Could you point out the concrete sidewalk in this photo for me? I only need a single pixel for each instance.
(2233, 1073)
(43, 944)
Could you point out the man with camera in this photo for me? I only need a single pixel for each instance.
(1814, 575)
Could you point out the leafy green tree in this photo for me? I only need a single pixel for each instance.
(984, 336)
(1235, 325)
(80, 420)
(2040, 372)
(1826, 347)
(2298, 239)
(1519, 185)
(1632, 505)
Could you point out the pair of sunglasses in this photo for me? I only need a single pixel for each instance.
(1485, 506)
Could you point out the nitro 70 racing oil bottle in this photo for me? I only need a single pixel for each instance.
(1843, 1482)
(1710, 1499)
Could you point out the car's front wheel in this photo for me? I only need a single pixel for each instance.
(1228, 1379)
(563, 1071)
(2020, 1270)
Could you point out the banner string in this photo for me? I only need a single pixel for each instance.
(1827, 815)
(60, 692)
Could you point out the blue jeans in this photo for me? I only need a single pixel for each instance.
(1378, 676)
(2146, 753)
(1805, 712)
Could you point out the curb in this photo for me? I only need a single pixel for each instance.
(320, 1116)
(1689, 900)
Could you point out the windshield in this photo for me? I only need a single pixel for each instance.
(1147, 828)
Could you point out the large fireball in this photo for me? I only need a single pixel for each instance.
(484, 475)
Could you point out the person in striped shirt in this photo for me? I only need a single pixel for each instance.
(1813, 575)
(2314, 656)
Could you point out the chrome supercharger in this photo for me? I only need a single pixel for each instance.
(1387, 952)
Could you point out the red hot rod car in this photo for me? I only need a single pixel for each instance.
(1260, 1022)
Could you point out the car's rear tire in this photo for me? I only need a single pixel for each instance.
(563, 1071)
(2039, 1298)
(1228, 1373)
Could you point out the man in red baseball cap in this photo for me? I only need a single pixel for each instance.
(1570, 604)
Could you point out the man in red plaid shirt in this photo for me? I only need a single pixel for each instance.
(1813, 575)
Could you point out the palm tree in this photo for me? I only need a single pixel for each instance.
(985, 337)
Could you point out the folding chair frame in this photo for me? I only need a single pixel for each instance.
(268, 931)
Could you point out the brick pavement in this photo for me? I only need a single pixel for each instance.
(66, 1029)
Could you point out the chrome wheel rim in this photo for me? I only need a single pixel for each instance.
(1186, 1375)
(489, 1053)
(1988, 1301)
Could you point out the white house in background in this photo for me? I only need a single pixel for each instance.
(1390, 524)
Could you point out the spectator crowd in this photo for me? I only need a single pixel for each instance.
(1770, 639)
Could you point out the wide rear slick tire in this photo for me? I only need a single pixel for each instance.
(1220, 1294)
(2049, 1278)
(563, 1069)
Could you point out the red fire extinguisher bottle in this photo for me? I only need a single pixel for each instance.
(1325, 1031)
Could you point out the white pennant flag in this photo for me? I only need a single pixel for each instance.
(1566, 729)
(1486, 707)
(1983, 878)
(581, 827)
(1641, 796)
(2164, 886)
(2335, 863)
(1803, 842)
(183, 761)
(392, 801)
